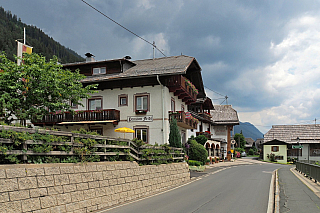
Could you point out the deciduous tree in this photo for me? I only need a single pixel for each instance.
(36, 87)
(238, 137)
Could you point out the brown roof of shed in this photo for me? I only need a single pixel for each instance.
(289, 133)
(224, 114)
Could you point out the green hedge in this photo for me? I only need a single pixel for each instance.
(194, 163)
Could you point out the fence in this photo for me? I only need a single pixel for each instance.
(18, 144)
(309, 169)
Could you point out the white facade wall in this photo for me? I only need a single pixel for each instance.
(155, 132)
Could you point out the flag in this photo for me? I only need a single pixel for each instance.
(188, 115)
(22, 48)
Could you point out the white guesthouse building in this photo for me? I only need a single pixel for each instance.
(142, 95)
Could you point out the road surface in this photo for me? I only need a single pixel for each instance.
(241, 188)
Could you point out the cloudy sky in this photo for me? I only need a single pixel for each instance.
(264, 55)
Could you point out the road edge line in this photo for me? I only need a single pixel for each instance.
(271, 194)
(277, 194)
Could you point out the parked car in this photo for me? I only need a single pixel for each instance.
(243, 154)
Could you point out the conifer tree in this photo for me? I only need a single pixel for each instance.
(174, 135)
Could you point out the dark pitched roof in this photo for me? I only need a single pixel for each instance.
(289, 133)
(151, 67)
(224, 114)
(275, 142)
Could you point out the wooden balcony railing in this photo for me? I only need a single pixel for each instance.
(184, 119)
(182, 88)
(207, 134)
(205, 117)
(89, 116)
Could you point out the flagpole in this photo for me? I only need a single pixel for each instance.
(24, 35)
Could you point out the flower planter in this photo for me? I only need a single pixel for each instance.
(141, 112)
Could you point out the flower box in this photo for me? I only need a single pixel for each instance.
(141, 111)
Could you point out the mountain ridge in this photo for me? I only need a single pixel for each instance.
(248, 130)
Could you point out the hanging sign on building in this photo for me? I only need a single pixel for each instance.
(147, 118)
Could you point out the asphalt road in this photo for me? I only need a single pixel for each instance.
(242, 188)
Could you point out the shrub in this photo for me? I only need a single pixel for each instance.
(201, 139)
(197, 152)
(239, 149)
(194, 163)
(272, 157)
(251, 152)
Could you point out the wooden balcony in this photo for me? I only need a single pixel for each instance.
(179, 86)
(205, 117)
(183, 120)
(80, 117)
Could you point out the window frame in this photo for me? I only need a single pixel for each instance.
(146, 128)
(276, 148)
(73, 106)
(279, 157)
(100, 73)
(119, 100)
(173, 105)
(182, 108)
(95, 98)
(138, 95)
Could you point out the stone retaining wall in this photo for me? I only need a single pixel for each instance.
(82, 187)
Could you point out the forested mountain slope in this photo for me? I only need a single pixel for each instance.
(11, 29)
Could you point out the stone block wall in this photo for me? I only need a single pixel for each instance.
(85, 187)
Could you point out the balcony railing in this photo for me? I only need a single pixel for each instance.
(206, 133)
(184, 119)
(205, 116)
(182, 88)
(87, 116)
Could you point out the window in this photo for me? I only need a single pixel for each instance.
(95, 103)
(73, 105)
(173, 105)
(142, 102)
(279, 157)
(123, 100)
(99, 70)
(275, 148)
(142, 134)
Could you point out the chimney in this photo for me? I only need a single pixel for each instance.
(90, 57)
